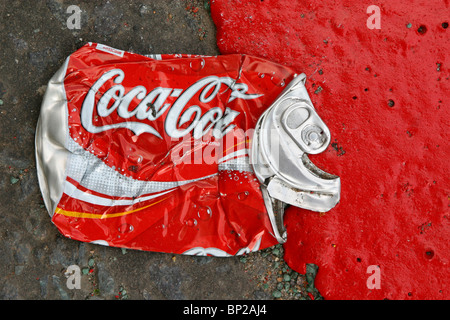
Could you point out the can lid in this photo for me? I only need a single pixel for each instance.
(285, 134)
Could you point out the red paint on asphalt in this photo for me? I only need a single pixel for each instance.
(384, 94)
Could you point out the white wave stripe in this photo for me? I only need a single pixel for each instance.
(75, 193)
(93, 174)
(235, 154)
(235, 165)
(235, 161)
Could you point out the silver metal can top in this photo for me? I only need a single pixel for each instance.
(285, 134)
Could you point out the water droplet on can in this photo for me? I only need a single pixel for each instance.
(191, 222)
(126, 228)
(277, 81)
(197, 64)
(204, 213)
(243, 195)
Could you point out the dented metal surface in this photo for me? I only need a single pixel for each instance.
(284, 136)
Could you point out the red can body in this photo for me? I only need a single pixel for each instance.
(156, 150)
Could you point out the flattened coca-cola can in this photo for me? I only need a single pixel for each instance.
(181, 154)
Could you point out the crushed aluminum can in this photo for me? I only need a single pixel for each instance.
(285, 134)
(175, 153)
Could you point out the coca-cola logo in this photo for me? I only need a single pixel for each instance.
(152, 105)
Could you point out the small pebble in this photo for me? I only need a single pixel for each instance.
(14, 180)
(319, 89)
(276, 294)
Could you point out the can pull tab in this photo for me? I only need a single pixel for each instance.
(285, 134)
(301, 121)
